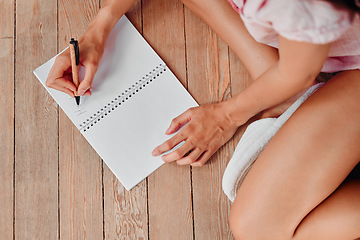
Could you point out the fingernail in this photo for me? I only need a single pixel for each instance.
(81, 92)
(167, 131)
(154, 153)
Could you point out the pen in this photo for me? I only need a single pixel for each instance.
(75, 60)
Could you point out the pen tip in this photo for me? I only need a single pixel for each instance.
(77, 98)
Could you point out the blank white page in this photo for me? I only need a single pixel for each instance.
(122, 122)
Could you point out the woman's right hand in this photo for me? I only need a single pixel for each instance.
(60, 77)
(91, 47)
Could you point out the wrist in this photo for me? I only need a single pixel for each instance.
(235, 112)
(100, 28)
(233, 116)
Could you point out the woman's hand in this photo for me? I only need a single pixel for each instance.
(60, 78)
(91, 46)
(207, 128)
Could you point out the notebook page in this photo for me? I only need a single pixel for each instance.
(127, 57)
(126, 137)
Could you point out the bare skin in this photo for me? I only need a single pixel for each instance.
(292, 192)
(91, 49)
(331, 212)
(282, 197)
(269, 89)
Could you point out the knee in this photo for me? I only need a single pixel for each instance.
(242, 228)
(237, 226)
(246, 225)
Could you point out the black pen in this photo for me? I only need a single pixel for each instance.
(75, 60)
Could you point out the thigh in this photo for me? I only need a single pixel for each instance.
(305, 162)
(337, 217)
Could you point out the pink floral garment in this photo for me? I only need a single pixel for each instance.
(315, 21)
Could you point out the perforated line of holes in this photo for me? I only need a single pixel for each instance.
(124, 96)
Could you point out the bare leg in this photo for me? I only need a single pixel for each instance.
(338, 217)
(262, 196)
(282, 197)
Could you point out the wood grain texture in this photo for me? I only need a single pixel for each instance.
(125, 212)
(240, 79)
(36, 124)
(80, 169)
(170, 207)
(209, 82)
(6, 118)
(87, 201)
(74, 17)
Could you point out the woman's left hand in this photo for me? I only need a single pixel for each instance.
(207, 128)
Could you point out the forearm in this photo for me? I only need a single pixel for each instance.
(298, 65)
(101, 26)
(270, 89)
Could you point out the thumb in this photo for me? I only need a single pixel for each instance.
(85, 84)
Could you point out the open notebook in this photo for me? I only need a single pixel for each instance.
(134, 98)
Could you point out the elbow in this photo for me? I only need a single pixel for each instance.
(301, 76)
(304, 81)
(310, 79)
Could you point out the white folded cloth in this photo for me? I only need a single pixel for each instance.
(251, 144)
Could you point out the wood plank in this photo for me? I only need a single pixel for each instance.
(170, 208)
(36, 124)
(80, 169)
(7, 118)
(240, 79)
(208, 81)
(125, 212)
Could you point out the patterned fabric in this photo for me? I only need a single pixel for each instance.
(314, 21)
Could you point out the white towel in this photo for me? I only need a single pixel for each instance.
(251, 144)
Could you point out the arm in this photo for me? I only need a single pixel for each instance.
(91, 46)
(210, 126)
(109, 14)
(299, 64)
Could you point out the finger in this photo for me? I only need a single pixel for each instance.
(169, 144)
(192, 157)
(61, 65)
(85, 84)
(61, 83)
(179, 121)
(58, 75)
(203, 159)
(88, 93)
(64, 89)
(178, 153)
(64, 82)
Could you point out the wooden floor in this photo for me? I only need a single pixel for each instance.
(52, 190)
